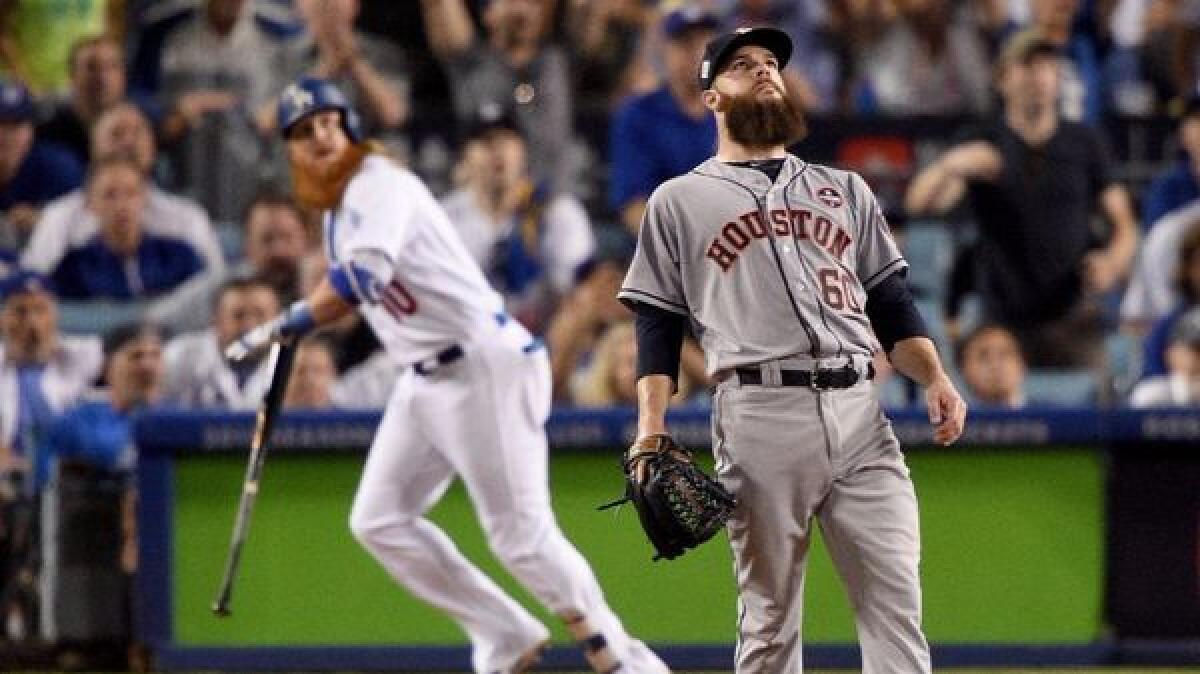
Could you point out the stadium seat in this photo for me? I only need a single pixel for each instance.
(96, 317)
(1060, 387)
(930, 252)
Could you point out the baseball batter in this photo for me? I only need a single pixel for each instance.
(791, 281)
(472, 404)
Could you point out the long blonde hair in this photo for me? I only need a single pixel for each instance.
(595, 385)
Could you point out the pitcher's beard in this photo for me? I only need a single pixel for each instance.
(321, 189)
(758, 124)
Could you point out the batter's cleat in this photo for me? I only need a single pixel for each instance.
(527, 661)
(595, 647)
(598, 655)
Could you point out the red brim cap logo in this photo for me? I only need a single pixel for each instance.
(830, 197)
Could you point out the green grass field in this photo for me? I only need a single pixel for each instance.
(1012, 554)
(1003, 532)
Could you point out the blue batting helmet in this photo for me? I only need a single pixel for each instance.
(310, 95)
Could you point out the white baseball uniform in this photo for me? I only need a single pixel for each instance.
(473, 404)
(197, 374)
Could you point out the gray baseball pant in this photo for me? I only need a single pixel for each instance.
(793, 454)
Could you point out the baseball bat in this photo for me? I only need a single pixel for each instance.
(281, 363)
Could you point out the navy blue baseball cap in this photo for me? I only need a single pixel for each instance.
(24, 281)
(720, 48)
(16, 105)
(310, 95)
(688, 17)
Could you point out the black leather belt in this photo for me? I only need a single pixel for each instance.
(815, 379)
(444, 357)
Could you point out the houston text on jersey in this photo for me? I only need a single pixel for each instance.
(796, 223)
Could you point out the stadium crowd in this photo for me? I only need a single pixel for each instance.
(147, 221)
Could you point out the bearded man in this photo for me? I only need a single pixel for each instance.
(471, 399)
(789, 273)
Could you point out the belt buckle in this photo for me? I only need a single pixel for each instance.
(813, 380)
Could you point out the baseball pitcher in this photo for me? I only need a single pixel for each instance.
(791, 281)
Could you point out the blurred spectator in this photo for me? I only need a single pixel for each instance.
(1180, 385)
(1154, 288)
(513, 66)
(123, 261)
(1034, 180)
(276, 242)
(66, 223)
(817, 67)
(931, 61)
(371, 71)
(1081, 95)
(36, 37)
(610, 377)
(852, 27)
(1186, 276)
(1138, 72)
(607, 40)
(666, 133)
(528, 239)
(41, 371)
(586, 314)
(583, 316)
(31, 172)
(99, 431)
(992, 367)
(97, 70)
(313, 377)
(1178, 185)
(1185, 48)
(88, 459)
(277, 239)
(198, 375)
(213, 68)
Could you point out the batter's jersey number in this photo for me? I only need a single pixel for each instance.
(397, 300)
(837, 287)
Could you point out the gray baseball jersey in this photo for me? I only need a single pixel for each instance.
(765, 270)
(775, 274)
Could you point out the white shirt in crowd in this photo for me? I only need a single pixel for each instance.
(196, 374)
(72, 369)
(1152, 293)
(568, 240)
(1170, 390)
(66, 224)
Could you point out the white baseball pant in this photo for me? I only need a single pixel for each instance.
(481, 418)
